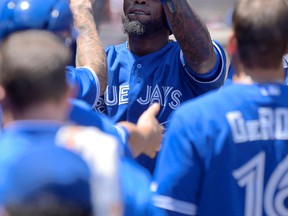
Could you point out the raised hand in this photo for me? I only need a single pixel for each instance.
(151, 130)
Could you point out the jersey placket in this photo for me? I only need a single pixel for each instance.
(136, 80)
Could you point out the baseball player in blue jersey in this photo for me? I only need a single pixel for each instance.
(150, 68)
(225, 153)
(34, 113)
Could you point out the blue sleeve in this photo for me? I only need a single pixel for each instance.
(85, 83)
(124, 136)
(216, 76)
(81, 114)
(178, 172)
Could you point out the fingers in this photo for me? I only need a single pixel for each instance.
(151, 155)
(153, 152)
(162, 129)
(154, 109)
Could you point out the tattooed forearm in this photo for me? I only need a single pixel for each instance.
(192, 35)
(90, 51)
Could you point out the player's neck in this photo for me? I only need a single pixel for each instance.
(259, 75)
(143, 45)
(45, 111)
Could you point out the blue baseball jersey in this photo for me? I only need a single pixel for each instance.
(33, 173)
(226, 154)
(136, 183)
(19, 138)
(22, 137)
(134, 83)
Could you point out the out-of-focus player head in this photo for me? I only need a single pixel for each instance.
(33, 75)
(144, 17)
(52, 15)
(260, 33)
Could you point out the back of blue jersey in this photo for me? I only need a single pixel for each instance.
(226, 154)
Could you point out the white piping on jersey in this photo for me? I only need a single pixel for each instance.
(222, 60)
(122, 133)
(175, 205)
(162, 123)
(285, 61)
(97, 84)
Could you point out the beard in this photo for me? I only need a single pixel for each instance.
(136, 28)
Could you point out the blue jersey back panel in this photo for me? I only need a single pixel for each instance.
(226, 154)
(20, 138)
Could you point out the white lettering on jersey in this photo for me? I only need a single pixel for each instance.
(263, 195)
(162, 95)
(123, 94)
(175, 103)
(154, 94)
(114, 100)
(147, 98)
(271, 124)
(100, 105)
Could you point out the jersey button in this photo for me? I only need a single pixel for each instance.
(139, 66)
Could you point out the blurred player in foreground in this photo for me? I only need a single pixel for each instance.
(226, 152)
(35, 117)
(34, 114)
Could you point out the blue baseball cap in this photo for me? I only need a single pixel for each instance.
(50, 15)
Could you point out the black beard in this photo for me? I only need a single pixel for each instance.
(136, 28)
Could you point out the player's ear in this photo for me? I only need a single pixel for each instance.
(70, 92)
(2, 93)
(232, 44)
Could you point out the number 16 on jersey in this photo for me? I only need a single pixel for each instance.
(272, 199)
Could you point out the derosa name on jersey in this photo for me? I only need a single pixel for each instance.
(271, 124)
